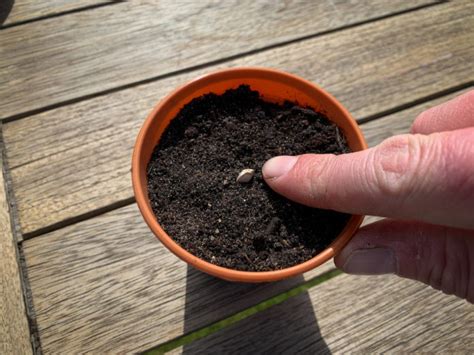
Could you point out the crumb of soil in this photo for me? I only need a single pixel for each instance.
(195, 197)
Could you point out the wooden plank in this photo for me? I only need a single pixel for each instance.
(14, 331)
(107, 285)
(60, 59)
(74, 159)
(108, 281)
(25, 10)
(349, 314)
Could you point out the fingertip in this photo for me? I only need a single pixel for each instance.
(278, 166)
(304, 178)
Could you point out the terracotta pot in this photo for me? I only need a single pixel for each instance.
(274, 86)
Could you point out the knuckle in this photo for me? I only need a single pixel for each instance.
(395, 164)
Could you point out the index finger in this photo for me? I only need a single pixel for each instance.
(429, 178)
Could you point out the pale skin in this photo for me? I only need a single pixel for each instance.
(422, 182)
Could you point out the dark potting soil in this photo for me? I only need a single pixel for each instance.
(195, 197)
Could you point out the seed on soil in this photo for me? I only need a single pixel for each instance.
(245, 176)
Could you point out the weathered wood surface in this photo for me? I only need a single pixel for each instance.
(14, 331)
(348, 314)
(107, 285)
(25, 10)
(108, 281)
(74, 159)
(51, 61)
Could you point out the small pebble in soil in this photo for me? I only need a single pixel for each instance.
(244, 226)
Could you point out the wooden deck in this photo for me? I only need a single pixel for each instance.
(78, 79)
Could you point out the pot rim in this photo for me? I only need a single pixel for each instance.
(141, 192)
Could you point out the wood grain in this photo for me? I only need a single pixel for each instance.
(71, 160)
(51, 61)
(107, 285)
(349, 314)
(14, 331)
(25, 10)
(107, 282)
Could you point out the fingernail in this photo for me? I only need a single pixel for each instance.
(371, 262)
(278, 166)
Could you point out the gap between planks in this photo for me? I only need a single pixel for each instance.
(14, 327)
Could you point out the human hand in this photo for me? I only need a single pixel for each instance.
(423, 182)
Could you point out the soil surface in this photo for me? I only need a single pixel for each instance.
(195, 197)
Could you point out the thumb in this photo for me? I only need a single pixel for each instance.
(442, 257)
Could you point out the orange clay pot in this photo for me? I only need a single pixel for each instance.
(274, 86)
